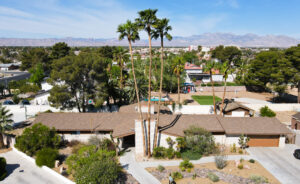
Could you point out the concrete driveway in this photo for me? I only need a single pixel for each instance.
(22, 171)
(279, 161)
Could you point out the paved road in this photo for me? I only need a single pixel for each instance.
(280, 162)
(31, 173)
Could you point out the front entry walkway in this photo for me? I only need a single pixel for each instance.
(135, 169)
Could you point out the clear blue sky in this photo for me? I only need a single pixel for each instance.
(100, 18)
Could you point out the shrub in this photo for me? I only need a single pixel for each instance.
(252, 161)
(186, 164)
(3, 172)
(90, 165)
(160, 168)
(170, 142)
(177, 154)
(47, 157)
(76, 147)
(233, 148)
(73, 143)
(170, 153)
(190, 155)
(241, 151)
(104, 143)
(266, 112)
(194, 176)
(221, 161)
(176, 175)
(159, 152)
(258, 179)
(16, 99)
(240, 166)
(181, 143)
(213, 177)
(243, 141)
(37, 137)
(199, 140)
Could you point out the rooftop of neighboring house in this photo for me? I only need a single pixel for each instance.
(189, 66)
(230, 105)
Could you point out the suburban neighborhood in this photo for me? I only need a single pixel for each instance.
(150, 105)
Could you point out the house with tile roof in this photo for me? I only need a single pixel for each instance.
(127, 127)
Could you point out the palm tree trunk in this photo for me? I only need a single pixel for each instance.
(298, 92)
(160, 89)
(178, 87)
(213, 90)
(121, 73)
(222, 105)
(149, 94)
(137, 96)
(1, 141)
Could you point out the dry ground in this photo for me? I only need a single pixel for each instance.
(195, 181)
(255, 169)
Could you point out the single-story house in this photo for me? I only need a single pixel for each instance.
(235, 109)
(296, 121)
(263, 131)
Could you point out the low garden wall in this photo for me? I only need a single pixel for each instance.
(221, 89)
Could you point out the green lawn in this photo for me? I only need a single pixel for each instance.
(205, 100)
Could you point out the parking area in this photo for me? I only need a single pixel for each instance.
(22, 171)
(279, 161)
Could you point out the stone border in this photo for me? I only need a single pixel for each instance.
(45, 168)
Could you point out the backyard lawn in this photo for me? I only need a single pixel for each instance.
(205, 100)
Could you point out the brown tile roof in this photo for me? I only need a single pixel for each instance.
(296, 116)
(233, 105)
(253, 126)
(209, 122)
(118, 123)
(122, 124)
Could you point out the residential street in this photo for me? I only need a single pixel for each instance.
(22, 171)
(279, 161)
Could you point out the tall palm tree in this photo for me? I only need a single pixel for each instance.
(120, 55)
(162, 29)
(178, 67)
(147, 18)
(225, 69)
(5, 121)
(130, 30)
(210, 66)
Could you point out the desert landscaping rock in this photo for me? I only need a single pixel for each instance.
(202, 173)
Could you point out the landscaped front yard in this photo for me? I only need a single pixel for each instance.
(250, 173)
(205, 100)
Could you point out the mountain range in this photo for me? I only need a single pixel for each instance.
(206, 39)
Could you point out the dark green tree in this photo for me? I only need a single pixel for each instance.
(293, 55)
(59, 50)
(32, 57)
(78, 79)
(37, 74)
